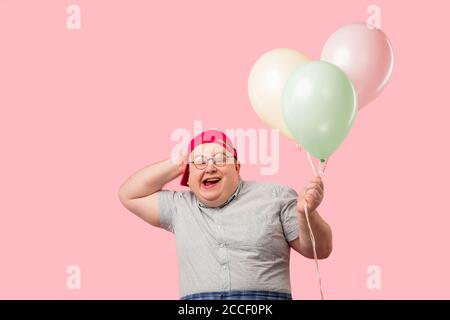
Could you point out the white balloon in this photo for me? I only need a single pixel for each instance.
(266, 82)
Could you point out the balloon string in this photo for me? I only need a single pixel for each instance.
(322, 166)
(313, 241)
(311, 163)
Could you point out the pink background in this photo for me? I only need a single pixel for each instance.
(82, 110)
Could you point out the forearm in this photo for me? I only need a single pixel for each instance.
(150, 179)
(322, 235)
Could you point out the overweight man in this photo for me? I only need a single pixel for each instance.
(233, 237)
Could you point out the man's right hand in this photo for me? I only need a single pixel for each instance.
(180, 158)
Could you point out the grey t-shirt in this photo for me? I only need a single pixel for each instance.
(242, 245)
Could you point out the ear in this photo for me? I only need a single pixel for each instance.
(238, 166)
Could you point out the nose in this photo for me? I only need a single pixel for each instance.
(210, 166)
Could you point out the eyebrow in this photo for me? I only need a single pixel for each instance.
(214, 154)
(227, 154)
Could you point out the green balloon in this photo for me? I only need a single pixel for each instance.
(319, 107)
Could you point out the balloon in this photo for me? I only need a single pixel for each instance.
(266, 81)
(365, 55)
(319, 107)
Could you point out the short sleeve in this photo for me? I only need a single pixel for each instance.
(167, 209)
(288, 212)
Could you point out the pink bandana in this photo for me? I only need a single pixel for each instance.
(208, 136)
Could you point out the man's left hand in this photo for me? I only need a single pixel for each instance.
(312, 194)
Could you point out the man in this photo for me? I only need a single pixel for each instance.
(233, 237)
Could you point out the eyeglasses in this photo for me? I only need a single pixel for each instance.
(219, 160)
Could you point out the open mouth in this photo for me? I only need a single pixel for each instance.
(210, 182)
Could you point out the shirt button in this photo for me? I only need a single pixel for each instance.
(221, 245)
(224, 267)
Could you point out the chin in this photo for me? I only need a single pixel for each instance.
(211, 197)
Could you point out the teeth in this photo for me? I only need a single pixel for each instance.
(211, 179)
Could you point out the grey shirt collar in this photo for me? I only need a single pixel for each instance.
(234, 195)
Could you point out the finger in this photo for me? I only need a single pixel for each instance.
(320, 197)
(314, 195)
(318, 180)
(314, 198)
(318, 186)
(314, 187)
(311, 204)
(306, 192)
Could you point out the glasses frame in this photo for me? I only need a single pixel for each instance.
(203, 166)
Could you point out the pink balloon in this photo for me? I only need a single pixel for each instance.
(365, 54)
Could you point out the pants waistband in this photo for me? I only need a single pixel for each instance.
(239, 295)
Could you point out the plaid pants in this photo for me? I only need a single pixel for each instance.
(239, 295)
